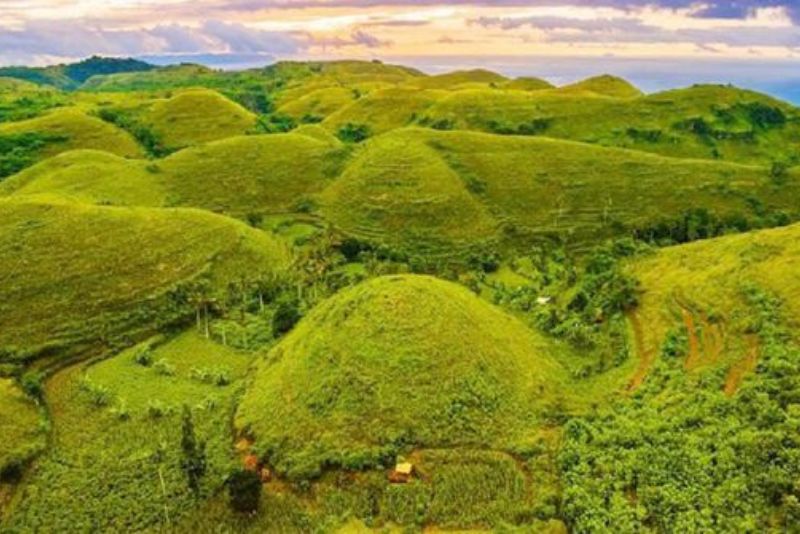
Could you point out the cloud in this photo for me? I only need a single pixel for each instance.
(74, 39)
(356, 38)
(723, 9)
(632, 30)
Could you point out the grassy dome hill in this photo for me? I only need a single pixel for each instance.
(71, 129)
(605, 85)
(318, 103)
(385, 109)
(398, 191)
(540, 186)
(527, 84)
(700, 289)
(91, 176)
(198, 116)
(74, 274)
(453, 80)
(251, 174)
(174, 76)
(395, 363)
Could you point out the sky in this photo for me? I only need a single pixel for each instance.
(655, 43)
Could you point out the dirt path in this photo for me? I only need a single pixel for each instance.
(694, 357)
(645, 353)
(742, 367)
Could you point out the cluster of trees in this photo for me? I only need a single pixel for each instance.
(680, 455)
(18, 151)
(700, 223)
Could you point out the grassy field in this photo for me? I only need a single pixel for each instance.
(77, 274)
(114, 463)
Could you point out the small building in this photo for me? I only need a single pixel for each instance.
(402, 473)
(544, 301)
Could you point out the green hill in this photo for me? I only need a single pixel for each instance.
(709, 122)
(91, 176)
(198, 116)
(398, 191)
(604, 85)
(702, 287)
(384, 110)
(420, 186)
(71, 76)
(76, 275)
(456, 79)
(254, 174)
(69, 129)
(394, 364)
(317, 104)
(527, 84)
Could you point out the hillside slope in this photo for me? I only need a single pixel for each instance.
(75, 274)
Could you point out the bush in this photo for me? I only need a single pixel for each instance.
(164, 368)
(286, 316)
(143, 356)
(244, 491)
(31, 384)
(353, 133)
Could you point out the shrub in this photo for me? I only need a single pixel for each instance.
(353, 133)
(287, 314)
(244, 491)
(98, 394)
(31, 384)
(164, 368)
(143, 356)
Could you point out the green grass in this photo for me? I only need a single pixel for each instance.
(75, 274)
(104, 467)
(527, 84)
(396, 363)
(458, 79)
(22, 426)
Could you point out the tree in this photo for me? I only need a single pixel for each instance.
(286, 316)
(193, 462)
(244, 490)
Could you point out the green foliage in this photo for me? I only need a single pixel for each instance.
(683, 455)
(193, 458)
(18, 151)
(353, 133)
(150, 141)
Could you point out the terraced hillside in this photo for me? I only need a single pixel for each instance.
(76, 275)
(703, 288)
